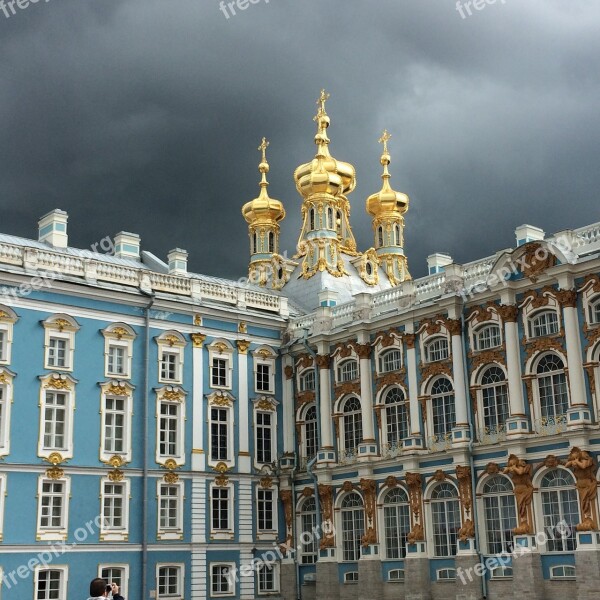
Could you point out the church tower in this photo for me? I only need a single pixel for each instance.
(387, 207)
(263, 215)
(324, 184)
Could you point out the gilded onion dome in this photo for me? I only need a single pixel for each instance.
(324, 174)
(387, 202)
(263, 210)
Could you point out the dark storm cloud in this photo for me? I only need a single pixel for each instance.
(145, 115)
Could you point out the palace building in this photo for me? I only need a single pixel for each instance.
(330, 429)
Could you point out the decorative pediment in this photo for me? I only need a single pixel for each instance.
(171, 393)
(117, 388)
(58, 381)
(220, 398)
(265, 403)
(61, 323)
(172, 338)
(119, 331)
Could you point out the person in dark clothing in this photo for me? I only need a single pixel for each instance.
(100, 589)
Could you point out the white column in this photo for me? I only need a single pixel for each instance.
(574, 354)
(458, 373)
(366, 393)
(198, 576)
(325, 401)
(413, 388)
(243, 428)
(198, 450)
(513, 361)
(246, 589)
(289, 418)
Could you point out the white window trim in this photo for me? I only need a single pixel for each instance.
(171, 342)
(122, 533)
(3, 494)
(125, 392)
(170, 533)
(223, 534)
(554, 577)
(276, 581)
(432, 340)
(268, 534)
(538, 313)
(353, 581)
(7, 320)
(478, 329)
(64, 579)
(447, 570)
(172, 396)
(265, 405)
(7, 383)
(232, 567)
(123, 590)
(264, 356)
(181, 574)
(44, 534)
(127, 345)
(60, 327)
(399, 579)
(338, 370)
(224, 351)
(379, 359)
(222, 400)
(60, 384)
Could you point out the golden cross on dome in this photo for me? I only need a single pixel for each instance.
(321, 104)
(263, 147)
(384, 139)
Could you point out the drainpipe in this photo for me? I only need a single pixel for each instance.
(145, 463)
(471, 459)
(293, 485)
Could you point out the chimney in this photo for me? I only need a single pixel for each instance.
(127, 245)
(178, 260)
(53, 228)
(436, 262)
(528, 233)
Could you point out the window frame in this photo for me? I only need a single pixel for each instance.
(118, 335)
(163, 399)
(125, 393)
(503, 502)
(450, 544)
(46, 533)
(274, 568)
(220, 401)
(342, 373)
(57, 384)
(398, 507)
(180, 568)
(264, 532)
(225, 533)
(3, 494)
(124, 568)
(110, 533)
(532, 323)
(431, 345)
(381, 358)
(231, 580)
(479, 332)
(8, 318)
(170, 533)
(171, 343)
(351, 539)
(264, 357)
(219, 349)
(489, 393)
(64, 579)
(386, 407)
(60, 327)
(6, 401)
(357, 426)
(309, 552)
(449, 417)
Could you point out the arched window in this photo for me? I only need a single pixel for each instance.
(380, 236)
(397, 240)
(495, 400)
(560, 509)
(311, 438)
(352, 424)
(543, 323)
(436, 349)
(353, 526)
(271, 242)
(500, 514)
(390, 360)
(308, 525)
(595, 311)
(348, 370)
(330, 218)
(552, 387)
(445, 518)
(311, 214)
(307, 381)
(369, 268)
(396, 417)
(442, 407)
(396, 520)
(487, 337)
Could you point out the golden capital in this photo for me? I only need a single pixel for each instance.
(243, 346)
(198, 339)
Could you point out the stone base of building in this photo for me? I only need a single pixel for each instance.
(328, 581)
(288, 580)
(417, 581)
(369, 580)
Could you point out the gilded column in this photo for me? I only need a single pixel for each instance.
(518, 422)
(415, 440)
(460, 434)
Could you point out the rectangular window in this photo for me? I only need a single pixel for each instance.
(220, 509)
(57, 353)
(218, 434)
(169, 506)
(168, 429)
(169, 583)
(309, 525)
(169, 366)
(263, 377)
(116, 575)
(265, 510)
(264, 436)
(3, 346)
(55, 414)
(52, 505)
(221, 583)
(116, 360)
(219, 372)
(50, 585)
(267, 579)
(113, 505)
(114, 425)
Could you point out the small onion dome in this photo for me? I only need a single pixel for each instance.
(324, 174)
(387, 201)
(263, 209)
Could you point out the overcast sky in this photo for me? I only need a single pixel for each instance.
(146, 115)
